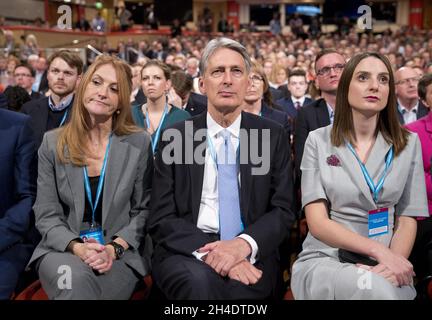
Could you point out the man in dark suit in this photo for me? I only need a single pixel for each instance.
(329, 65)
(64, 72)
(192, 102)
(297, 86)
(410, 108)
(18, 193)
(24, 77)
(214, 240)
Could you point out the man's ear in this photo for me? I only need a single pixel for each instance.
(201, 86)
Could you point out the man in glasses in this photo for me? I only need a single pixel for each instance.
(410, 108)
(24, 77)
(329, 65)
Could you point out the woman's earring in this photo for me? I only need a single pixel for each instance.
(118, 111)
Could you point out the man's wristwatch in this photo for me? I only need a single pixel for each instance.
(118, 249)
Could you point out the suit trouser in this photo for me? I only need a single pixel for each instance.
(12, 264)
(187, 278)
(85, 284)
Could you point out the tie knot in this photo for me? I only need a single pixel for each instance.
(225, 134)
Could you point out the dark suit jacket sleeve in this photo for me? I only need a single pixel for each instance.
(300, 136)
(167, 228)
(17, 219)
(271, 228)
(48, 211)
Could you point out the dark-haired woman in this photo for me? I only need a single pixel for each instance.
(362, 187)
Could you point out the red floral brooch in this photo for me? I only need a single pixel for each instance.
(333, 161)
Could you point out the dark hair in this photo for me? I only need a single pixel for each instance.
(323, 53)
(72, 59)
(424, 82)
(25, 65)
(16, 97)
(388, 123)
(182, 83)
(296, 73)
(163, 66)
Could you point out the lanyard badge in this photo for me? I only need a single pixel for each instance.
(95, 230)
(378, 220)
(155, 140)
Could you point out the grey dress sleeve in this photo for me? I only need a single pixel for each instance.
(311, 184)
(413, 201)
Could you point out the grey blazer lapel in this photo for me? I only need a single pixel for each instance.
(117, 160)
(75, 178)
(352, 167)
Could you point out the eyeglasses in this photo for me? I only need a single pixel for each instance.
(325, 71)
(16, 75)
(414, 80)
(256, 79)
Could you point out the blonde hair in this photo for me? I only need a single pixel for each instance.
(73, 137)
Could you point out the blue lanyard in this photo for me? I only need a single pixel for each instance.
(155, 140)
(213, 154)
(375, 189)
(100, 183)
(64, 118)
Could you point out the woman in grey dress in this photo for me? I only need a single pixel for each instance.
(362, 184)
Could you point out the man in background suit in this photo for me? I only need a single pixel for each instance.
(24, 77)
(410, 108)
(329, 65)
(297, 86)
(18, 193)
(214, 240)
(64, 73)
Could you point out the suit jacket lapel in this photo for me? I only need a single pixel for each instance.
(197, 170)
(246, 178)
(117, 159)
(75, 178)
(352, 167)
(323, 118)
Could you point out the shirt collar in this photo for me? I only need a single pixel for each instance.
(401, 107)
(213, 128)
(301, 100)
(64, 103)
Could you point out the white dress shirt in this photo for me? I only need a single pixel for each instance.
(208, 216)
(408, 115)
(301, 101)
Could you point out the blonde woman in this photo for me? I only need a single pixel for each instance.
(93, 191)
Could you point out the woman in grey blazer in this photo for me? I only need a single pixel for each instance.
(93, 191)
(362, 186)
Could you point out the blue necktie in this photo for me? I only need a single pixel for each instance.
(230, 223)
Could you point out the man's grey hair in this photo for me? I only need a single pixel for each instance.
(219, 43)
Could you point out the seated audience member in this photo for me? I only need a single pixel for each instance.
(216, 223)
(258, 99)
(64, 73)
(16, 97)
(18, 193)
(192, 102)
(362, 187)
(297, 86)
(421, 256)
(156, 114)
(24, 77)
(410, 108)
(94, 182)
